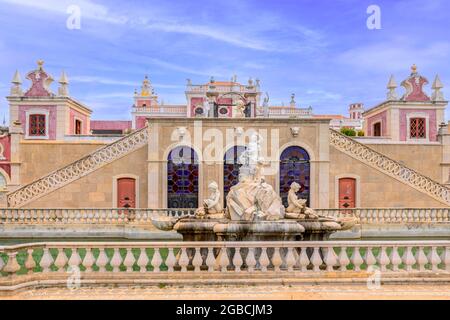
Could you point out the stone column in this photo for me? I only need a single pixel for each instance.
(322, 168)
(16, 136)
(155, 192)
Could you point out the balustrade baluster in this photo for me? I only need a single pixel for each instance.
(264, 261)
(116, 260)
(383, 259)
(46, 260)
(12, 266)
(445, 258)
(75, 259)
(395, 258)
(290, 259)
(61, 260)
(237, 259)
(250, 260)
(223, 260)
(30, 264)
(143, 260)
(129, 260)
(433, 215)
(434, 259)
(210, 260)
(370, 258)
(304, 259)
(421, 259)
(330, 259)
(102, 260)
(343, 259)
(184, 260)
(357, 259)
(416, 215)
(88, 260)
(408, 259)
(410, 217)
(197, 261)
(277, 260)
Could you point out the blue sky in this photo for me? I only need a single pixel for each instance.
(321, 50)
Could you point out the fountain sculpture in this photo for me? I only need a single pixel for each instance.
(254, 211)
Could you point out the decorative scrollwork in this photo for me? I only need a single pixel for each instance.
(78, 169)
(390, 167)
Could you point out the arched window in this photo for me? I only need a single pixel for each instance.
(295, 167)
(182, 178)
(231, 169)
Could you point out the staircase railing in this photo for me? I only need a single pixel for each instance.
(390, 167)
(78, 169)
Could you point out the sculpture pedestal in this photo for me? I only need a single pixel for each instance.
(281, 230)
(197, 229)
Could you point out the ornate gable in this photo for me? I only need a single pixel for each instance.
(414, 87)
(40, 82)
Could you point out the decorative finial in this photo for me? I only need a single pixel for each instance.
(414, 69)
(16, 89)
(40, 63)
(392, 85)
(250, 81)
(63, 89)
(437, 86)
(146, 87)
(211, 80)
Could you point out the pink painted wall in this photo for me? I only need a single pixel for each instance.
(110, 125)
(51, 120)
(432, 126)
(382, 116)
(141, 102)
(194, 103)
(74, 114)
(140, 122)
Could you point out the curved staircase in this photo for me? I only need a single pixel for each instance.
(78, 169)
(389, 167)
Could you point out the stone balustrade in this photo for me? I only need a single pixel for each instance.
(391, 215)
(143, 216)
(326, 259)
(86, 216)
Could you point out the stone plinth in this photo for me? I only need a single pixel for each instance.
(197, 229)
(282, 230)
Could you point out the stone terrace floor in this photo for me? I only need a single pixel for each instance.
(304, 292)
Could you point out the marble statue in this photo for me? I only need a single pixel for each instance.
(212, 205)
(252, 198)
(239, 109)
(297, 207)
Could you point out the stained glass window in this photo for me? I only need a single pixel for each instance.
(294, 167)
(231, 169)
(37, 125)
(182, 178)
(417, 128)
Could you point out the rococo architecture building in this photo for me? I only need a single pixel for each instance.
(54, 156)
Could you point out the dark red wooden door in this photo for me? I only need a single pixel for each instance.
(347, 193)
(126, 193)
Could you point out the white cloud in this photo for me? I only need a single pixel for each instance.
(235, 34)
(393, 56)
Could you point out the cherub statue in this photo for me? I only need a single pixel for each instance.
(212, 205)
(297, 207)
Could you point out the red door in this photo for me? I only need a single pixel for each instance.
(347, 193)
(126, 193)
